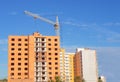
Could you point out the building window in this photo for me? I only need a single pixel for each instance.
(37, 54)
(26, 58)
(12, 54)
(12, 39)
(43, 58)
(55, 39)
(19, 77)
(36, 59)
(56, 68)
(43, 53)
(50, 77)
(12, 49)
(55, 44)
(19, 58)
(26, 44)
(50, 73)
(49, 39)
(36, 78)
(43, 44)
(56, 58)
(43, 68)
(19, 68)
(43, 72)
(26, 73)
(19, 63)
(37, 69)
(49, 58)
(26, 49)
(19, 39)
(43, 48)
(56, 53)
(49, 53)
(56, 73)
(12, 58)
(26, 54)
(56, 63)
(12, 74)
(43, 63)
(26, 39)
(26, 77)
(50, 68)
(49, 44)
(12, 63)
(26, 63)
(19, 73)
(12, 69)
(43, 78)
(19, 49)
(49, 48)
(56, 49)
(50, 63)
(19, 54)
(26, 69)
(19, 44)
(43, 39)
(12, 44)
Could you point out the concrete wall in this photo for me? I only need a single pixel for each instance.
(89, 64)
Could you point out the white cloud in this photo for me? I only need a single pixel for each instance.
(75, 24)
(113, 40)
(103, 34)
(108, 35)
(108, 24)
(117, 23)
(112, 24)
(112, 36)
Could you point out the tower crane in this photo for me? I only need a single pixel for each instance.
(55, 24)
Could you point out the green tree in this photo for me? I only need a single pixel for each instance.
(99, 80)
(77, 79)
(58, 79)
(51, 81)
(3, 80)
(83, 80)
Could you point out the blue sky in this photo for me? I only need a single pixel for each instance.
(84, 23)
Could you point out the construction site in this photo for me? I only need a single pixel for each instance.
(39, 58)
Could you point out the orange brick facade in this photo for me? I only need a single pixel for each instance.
(78, 67)
(33, 58)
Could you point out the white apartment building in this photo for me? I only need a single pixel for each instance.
(89, 64)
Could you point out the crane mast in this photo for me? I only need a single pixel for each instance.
(55, 24)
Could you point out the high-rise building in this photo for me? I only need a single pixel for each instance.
(66, 66)
(78, 67)
(71, 66)
(86, 65)
(62, 65)
(33, 58)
